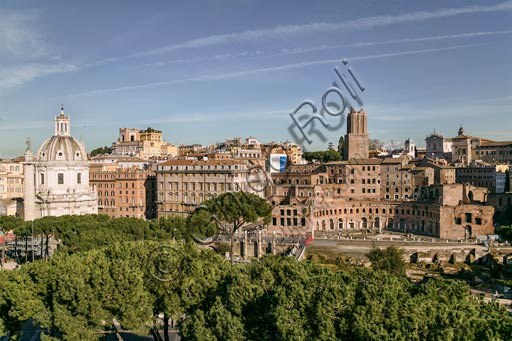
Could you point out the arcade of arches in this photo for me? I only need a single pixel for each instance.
(451, 222)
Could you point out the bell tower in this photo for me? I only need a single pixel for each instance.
(356, 140)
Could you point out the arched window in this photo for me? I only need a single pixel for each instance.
(60, 178)
(364, 223)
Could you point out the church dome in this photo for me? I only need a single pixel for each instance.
(62, 146)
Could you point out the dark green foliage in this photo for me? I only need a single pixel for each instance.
(505, 232)
(81, 233)
(101, 151)
(281, 299)
(341, 146)
(323, 156)
(504, 217)
(389, 260)
(128, 270)
(77, 296)
(232, 211)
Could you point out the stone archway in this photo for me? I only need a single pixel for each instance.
(364, 223)
(340, 223)
(376, 223)
(467, 232)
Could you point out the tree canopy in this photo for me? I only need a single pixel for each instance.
(101, 151)
(323, 156)
(130, 271)
(234, 210)
(390, 259)
(78, 296)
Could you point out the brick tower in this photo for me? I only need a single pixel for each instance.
(356, 140)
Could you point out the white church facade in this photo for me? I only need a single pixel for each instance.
(57, 177)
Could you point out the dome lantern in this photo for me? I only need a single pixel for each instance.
(62, 124)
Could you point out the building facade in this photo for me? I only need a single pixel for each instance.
(332, 199)
(11, 179)
(142, 143)
(124, 191)
(491, 177)
(437, 146)
(184, 184)
(56, 179)
(370, 195)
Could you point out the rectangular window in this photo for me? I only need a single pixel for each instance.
(79, 178)
(60, 179)
(468, 217)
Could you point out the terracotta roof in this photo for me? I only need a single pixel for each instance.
(393, 160)
(372, 161)
(464, 136)
(489, 143)
(201, 162)
(119, 158)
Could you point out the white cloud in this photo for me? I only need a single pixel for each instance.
(293, 30)
(257, 71)
(17, 75)
(18, 37)
(260, 114)
(24, 55)
(301, 50)
(204, 59)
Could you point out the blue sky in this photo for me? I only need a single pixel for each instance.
(203, 71)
